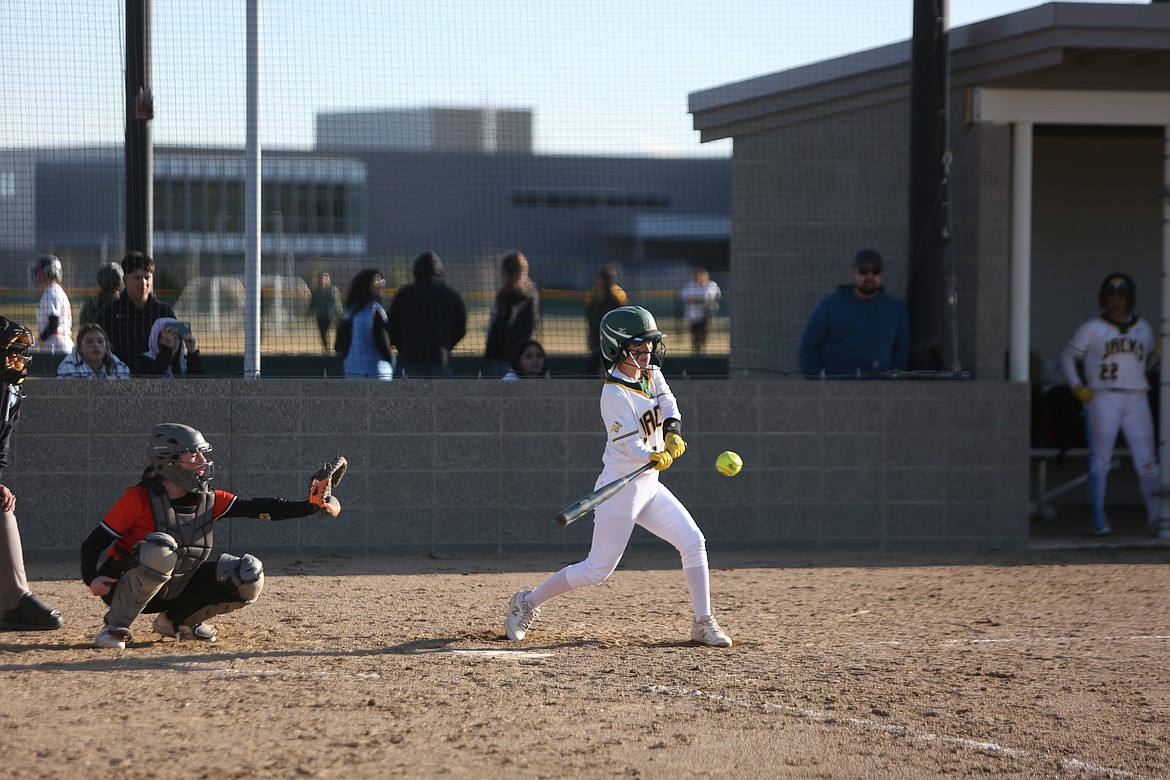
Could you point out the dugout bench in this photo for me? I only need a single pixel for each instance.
(1058, 436)
(1040, 506)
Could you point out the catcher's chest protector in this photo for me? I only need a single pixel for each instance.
(190, 527)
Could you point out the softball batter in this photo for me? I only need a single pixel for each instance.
(642, 423)
(1113, 351)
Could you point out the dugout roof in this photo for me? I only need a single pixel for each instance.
(1067, 45)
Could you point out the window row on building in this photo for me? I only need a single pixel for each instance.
(306, 196)
(217, 206)
(628, 200)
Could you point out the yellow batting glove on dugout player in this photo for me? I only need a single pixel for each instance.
(661, 460)
(1083, 394)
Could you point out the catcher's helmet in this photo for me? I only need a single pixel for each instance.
(17, 342)
(168, 442)
(625, 326)
(1118, 282)
(49, 265)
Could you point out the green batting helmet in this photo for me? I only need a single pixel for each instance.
(625, 326)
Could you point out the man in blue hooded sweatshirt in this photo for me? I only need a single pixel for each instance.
(859, 330)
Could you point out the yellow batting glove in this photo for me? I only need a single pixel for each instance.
(674, 445)
(661, 460)
(1084, 394)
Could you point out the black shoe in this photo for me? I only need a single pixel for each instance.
(31, 615)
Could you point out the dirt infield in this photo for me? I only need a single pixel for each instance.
(1017, 665)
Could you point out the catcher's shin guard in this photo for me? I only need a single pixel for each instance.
(134, 590)
(246, 573)
(203, 614)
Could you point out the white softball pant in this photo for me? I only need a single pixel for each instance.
(1127, 411)
(645, 502)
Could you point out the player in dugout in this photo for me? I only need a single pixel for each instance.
(152, 552)
(642, 422)
(1113, 351)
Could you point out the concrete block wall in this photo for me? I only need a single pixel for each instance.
(467, 465)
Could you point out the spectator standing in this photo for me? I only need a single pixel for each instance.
(20, 610)
(109, 279)
(604, 297)
(127, 319)
(362, 335)
(700, 300)
(530, 362)
(427, 318)
(515, 315)
(172, 345)
(54, 314)
(91, 358)
(325, 306)
(858, 330)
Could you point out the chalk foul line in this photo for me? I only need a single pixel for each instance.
(872, 725)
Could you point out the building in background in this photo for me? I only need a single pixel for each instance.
(356, 207)
(484, 130)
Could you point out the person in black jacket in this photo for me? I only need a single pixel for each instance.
(20, 610)
(515, 316)
(427, 319)
(127, 319)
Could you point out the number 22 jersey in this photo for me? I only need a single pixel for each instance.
(1114, 356)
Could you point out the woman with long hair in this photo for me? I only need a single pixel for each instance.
(515, 316)
(367, 354)
(91, 357)
(530, 362)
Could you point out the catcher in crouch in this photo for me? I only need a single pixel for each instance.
(152, 552)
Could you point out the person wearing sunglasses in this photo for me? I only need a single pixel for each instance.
(859, 331)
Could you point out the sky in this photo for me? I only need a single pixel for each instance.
(600, 76)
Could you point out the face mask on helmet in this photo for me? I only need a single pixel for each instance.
(178, 453)
(18, 344)
(657, 349)
(624, 327)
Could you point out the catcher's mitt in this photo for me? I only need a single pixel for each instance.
(322, 483)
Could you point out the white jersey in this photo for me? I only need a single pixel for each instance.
(700, 301)
(633, 413)
(55, 302)
(1114, 356)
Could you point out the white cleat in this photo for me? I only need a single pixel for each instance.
(706, 631)
(113, 637)
(520, 617)
(200, 631)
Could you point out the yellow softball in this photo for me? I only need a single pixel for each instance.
(728, 463)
